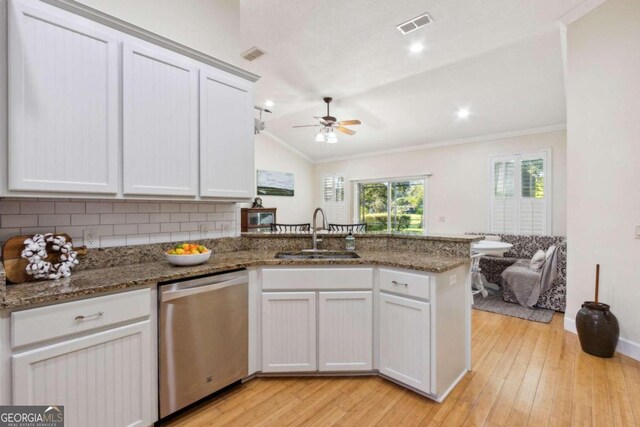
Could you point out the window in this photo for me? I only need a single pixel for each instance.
(333, 198)
(392, 205)
(520, 193)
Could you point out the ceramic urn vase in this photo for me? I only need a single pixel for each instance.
(598, 329)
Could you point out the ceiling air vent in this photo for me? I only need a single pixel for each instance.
(415, 23)
(252, 54)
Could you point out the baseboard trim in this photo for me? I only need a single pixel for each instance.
(625, 346)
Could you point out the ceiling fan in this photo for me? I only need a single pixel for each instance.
(329, 124)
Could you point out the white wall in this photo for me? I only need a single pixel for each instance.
(603, 152)
(459, 188)
(210, 26)
(272, 155)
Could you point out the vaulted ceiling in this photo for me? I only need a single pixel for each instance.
(501, 59)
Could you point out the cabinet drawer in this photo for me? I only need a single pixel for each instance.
(401, 282)
(317, 278)
(45, 323)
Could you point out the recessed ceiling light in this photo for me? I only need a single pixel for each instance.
(416, 47)
(463, 113)
(269, 103)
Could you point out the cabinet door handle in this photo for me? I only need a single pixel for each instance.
(396, 283)
(89, 317)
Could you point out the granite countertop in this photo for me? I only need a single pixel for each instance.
(89, 282)
(466, 238)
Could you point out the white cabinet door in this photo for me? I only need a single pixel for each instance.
(226, 136)
(345, 327)
(288, 331)
(63, 103)
(103, 378)
(405, 341)
(160, 123)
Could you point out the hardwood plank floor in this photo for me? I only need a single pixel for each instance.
(524, 373)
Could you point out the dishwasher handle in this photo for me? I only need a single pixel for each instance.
(181, 293)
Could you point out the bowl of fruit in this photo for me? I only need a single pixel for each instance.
(187, 254)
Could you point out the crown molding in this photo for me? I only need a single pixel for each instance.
(579, 11)
(438, 144)
(131, 29)
(288, 146)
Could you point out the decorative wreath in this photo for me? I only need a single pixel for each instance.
(35, 251)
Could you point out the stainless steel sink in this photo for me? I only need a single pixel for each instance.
(317, 255)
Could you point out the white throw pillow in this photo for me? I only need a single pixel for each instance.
(538, 260)
(550, 251)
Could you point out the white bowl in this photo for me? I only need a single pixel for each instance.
(188, 259)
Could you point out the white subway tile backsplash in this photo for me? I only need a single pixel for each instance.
(113, 218)
(148, 228)
(169, 207)
(169, 227)
(215, 216)
(125, 208)
(13, 221)
(49, 220)
(182, 236)
(125, 229)
(70, 207)
(159, 237)
(85, 219)
(225, 207)
(137, 218)
(179, 217)
(109, 241)
(206, 207)
(188, 226)
(7, 233)
(138, 239)
(159, 217)
(37, 207)
(9, 207)
(99, 207)
(149, 207)
(117, 222)
(197, 217)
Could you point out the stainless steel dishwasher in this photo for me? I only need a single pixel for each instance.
(203, 337)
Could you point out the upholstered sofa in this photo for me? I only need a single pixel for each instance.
(524, 247)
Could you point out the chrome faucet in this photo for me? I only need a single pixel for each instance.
(315, 227)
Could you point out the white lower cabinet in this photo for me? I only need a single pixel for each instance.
(345, 329)
(405, 334)
(101, 379)
(289, 331)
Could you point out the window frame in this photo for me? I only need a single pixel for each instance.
(356, 197)
(335, 205)
(548, 185)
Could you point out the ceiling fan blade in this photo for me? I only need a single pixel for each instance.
(304, 126)
(349, 122)
(345, 130)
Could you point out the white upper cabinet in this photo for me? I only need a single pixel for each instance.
(226, 136)
(160, 123)
(63, 104)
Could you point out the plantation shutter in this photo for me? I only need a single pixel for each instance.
(504, 209)
(533, 203)
(333, 198)
(520, 194)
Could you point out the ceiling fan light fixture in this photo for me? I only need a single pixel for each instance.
(330, 136)
(320, 136)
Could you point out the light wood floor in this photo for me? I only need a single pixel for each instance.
(524, 373)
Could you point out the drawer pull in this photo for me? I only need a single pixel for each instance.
(396, 283)
(89, 317)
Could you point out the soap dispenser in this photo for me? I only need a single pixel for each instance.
(350, 242)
